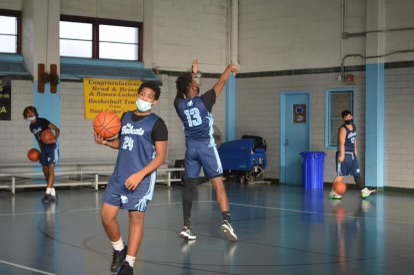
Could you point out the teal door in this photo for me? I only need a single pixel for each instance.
(294, 135)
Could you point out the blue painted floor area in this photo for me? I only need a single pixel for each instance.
(281, 230)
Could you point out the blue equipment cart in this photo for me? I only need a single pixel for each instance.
(244, 159)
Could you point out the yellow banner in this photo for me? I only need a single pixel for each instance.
(113, 95)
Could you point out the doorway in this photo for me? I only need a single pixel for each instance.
(294, 135)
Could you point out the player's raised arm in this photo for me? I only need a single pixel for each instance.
(218, 87)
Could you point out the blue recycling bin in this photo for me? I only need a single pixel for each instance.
(313, 165)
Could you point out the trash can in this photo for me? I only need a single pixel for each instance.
(313, 164)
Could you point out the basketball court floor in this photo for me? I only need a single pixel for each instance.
(281, 230)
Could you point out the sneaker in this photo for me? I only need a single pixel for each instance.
(118, 257)
(45, 199)
(228, 231)
(365, 193)
(126, 269)
(334, 196)
(187, 234)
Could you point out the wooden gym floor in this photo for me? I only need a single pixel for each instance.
(281, 230)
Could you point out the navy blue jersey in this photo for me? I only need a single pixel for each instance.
(197, 119)
(37, 128)
(349, 138)
(136, 150)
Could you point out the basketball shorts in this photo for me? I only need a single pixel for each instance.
(125, 201)
(49, 155)
(349, 167)
(203, 156)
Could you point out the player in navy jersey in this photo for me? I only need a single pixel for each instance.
(346, 156)
(195, 113)
(49, 154)
(142, 144)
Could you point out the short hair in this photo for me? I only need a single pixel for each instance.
(183, 83)
(153, 86)
(31, 108)
(345, 113)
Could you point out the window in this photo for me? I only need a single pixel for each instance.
(100, 38)
(337, 101)
(10, 31)
(76, 39)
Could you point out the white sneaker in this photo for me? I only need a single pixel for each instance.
(187, 234)
(228, 231)
(334, 196)
(365, 193)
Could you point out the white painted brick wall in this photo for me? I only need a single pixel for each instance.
(184, 30)
(131, 10)
(399, 128)
(11, 4)
(294, 34)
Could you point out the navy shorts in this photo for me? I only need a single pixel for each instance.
(49, 155)
(125, 201)
(349, 167)
(203, 156)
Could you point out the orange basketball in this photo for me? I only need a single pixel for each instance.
(33, 154)
(106, 125)
(339, 187)
(47, 136)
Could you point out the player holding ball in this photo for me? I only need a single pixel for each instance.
(142, 144)
(49, 153)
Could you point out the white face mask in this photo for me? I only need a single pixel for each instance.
(143, 106)
(31, 118)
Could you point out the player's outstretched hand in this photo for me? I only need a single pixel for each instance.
(194, 67)
(233, 69)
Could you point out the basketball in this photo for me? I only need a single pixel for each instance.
(339, 187)
(106, 125)
(47, 136)
(33, 154)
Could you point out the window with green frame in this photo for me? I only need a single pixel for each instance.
(338, 100)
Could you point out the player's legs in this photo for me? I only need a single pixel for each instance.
(50, 174)
(109, 222)
(111, 227)
(45, 169)
(136, 233)
(223, 203)
(213, 170)
(359, 181)
(341, 171)
(221, 194)
(188, 193)
(49, 158)
(192, 172)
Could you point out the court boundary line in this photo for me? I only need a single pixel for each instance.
(26, 268)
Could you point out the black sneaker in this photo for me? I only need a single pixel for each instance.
(126, 269)
(118, 257)
(46, 198)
